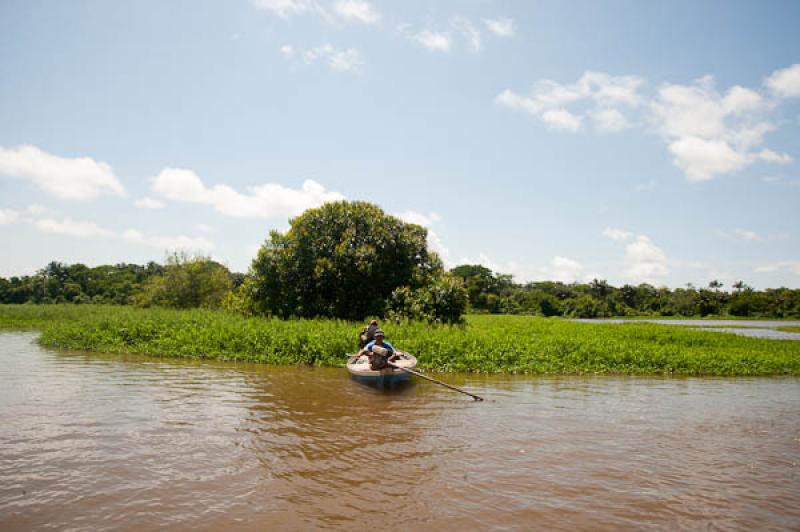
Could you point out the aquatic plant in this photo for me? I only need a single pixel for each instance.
(485, 343)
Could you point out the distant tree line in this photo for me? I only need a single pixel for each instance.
(182, 282)
(494, 293)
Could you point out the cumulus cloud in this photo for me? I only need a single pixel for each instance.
(79, 178)
(597, 95)
(357, 10)
(71, 227)
(262, 201)
(171, 243)
(501, 26)
(8, 216)
(785, 83)
(645, 261)
(708, 132)
(338, 60)
(565, 270)
(561, 119)
(434, 241)
(149, 203)
(618, 235)
(436, 41)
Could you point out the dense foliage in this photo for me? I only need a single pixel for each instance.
(187, 282)
(183, 282)
(345, 260)
(488, 344)
(498, 294)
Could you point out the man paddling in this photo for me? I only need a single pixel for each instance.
(378, 357)
(367, 334)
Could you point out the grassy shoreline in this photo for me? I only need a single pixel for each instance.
(486, 344)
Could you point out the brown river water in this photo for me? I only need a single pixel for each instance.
(93, 442)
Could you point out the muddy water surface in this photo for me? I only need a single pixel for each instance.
(106, 442)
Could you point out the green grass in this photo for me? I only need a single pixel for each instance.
(789, 329)
(487, 344)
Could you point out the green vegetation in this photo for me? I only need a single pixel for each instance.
(351, 260)
(182, 283)
(789, 329)
(498, 294)
(187, 282)
(490, 344)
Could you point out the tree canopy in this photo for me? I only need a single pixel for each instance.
(343, 260)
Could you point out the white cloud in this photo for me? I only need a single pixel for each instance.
(645, 262)
(357, 10)
(348, 60)
(561, 119)
(287, 51)
(747, 235)
(502, 26)
(434, 241)
(469, 31)
(425, 220)
(71, 227)
(79, 178)
(170, 243)
(8, 216)
(773, 157)
(610, 120)
(262, 201)
(439, 42)
(565, 270)
(149, 203)
(772, 267)
(702, 159)
(786, 82)
(618, 235)
(709, 133)
(341, 11)
(600, 94)
(288, 8)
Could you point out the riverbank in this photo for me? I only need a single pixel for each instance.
(486, 344)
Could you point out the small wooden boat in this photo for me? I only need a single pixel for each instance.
(358, 366)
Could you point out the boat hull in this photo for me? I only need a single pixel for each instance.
(358, 367)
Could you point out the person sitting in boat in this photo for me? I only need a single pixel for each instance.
(379, 351)
(367, 334)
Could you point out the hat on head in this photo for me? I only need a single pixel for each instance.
(379, 332)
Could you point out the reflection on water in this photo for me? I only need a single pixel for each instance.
(100, 442)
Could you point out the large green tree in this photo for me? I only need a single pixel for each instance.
(343, 260)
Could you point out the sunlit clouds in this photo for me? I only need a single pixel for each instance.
(69, 178)
(707, 132)
(262, 201)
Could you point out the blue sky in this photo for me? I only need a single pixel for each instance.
(630, 141)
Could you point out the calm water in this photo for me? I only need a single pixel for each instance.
(99, 442)
(751, 328)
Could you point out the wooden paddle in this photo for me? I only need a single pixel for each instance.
(418, 374)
